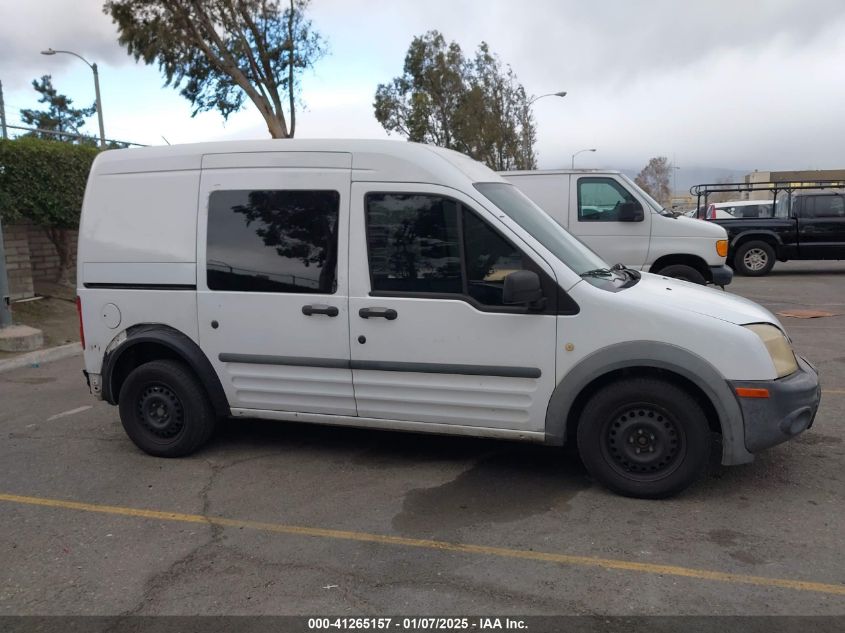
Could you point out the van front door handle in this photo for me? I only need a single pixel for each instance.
(331, 311)
(378, 313)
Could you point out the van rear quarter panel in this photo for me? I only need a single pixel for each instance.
(176, 308)
(148, 217)
(138, 226)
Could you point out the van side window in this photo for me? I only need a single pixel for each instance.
(421, 243)
(273, 241)
(413, 243)
(600, 199)
(489, 259)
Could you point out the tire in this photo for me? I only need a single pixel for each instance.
(644, 438)
(683, 272)
(165, 410)
(754, 259)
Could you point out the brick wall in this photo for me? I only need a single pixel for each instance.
(43, 255)
(18, 266)
(31, 257)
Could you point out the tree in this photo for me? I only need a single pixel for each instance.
(474, 106)
(221, 52)
(654, 178)
(59, 116)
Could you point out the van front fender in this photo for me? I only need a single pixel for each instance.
(650, 355)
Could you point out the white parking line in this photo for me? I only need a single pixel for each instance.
(67, 413)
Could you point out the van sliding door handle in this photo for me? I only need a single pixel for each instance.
(331, 311)
(378, 313)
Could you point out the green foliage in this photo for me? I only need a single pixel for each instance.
(654, 179)
(59, 116)
(475, 106)
(221, 52)
(43, 181)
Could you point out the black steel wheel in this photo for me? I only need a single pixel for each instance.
(165, 410)
(643, 437)
(643, 441)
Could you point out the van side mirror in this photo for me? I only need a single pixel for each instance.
(522, 287)
(631, 211)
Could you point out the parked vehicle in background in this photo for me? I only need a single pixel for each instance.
(612, 215)
(737, 209)
(402, 286)
(805, 225)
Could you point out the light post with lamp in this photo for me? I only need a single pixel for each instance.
(581, 151)
(561, 94)
(93, 67)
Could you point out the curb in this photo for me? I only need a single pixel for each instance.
(41, 356)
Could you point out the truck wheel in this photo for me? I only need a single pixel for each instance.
(165, 410)
(684, 273)
(754, 259)
(644, 437)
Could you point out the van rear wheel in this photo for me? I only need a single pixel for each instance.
(164, 409)
(644, 437)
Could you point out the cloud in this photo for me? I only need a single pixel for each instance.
(734, 83)
(27, 28)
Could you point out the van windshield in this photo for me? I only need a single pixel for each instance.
(568, 249)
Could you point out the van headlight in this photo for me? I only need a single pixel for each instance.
(778, 346)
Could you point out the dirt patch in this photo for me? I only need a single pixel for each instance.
(807, 314)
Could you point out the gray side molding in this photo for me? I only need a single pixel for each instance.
(659, 356)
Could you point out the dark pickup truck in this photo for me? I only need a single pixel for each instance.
(805, 225)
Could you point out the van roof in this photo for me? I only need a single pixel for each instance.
(370, 160)
(535, 172)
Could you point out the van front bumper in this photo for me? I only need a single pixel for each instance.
(789, 410)
(721, 275)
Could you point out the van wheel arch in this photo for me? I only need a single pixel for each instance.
(605, 380)
(149, 342)
(659, 360)
(693, 261)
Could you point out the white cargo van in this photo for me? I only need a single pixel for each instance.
(612, 215)
(392, 285)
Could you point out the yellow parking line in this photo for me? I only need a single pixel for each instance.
(466, 548)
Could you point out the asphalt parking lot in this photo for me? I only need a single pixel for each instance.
(277, 518)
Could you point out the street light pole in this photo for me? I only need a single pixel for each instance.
(581, 151)
(99, 102)
(561, 94)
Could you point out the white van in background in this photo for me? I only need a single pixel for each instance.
(612, 215)
(391, 285)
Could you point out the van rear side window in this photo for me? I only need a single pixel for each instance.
(273, 241)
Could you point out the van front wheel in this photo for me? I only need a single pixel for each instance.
(644, 438)
(165, 410)
(684, 273)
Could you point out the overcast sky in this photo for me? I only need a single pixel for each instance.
(743, 84)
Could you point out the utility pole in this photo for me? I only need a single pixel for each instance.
(5, 302)
(2, 114)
